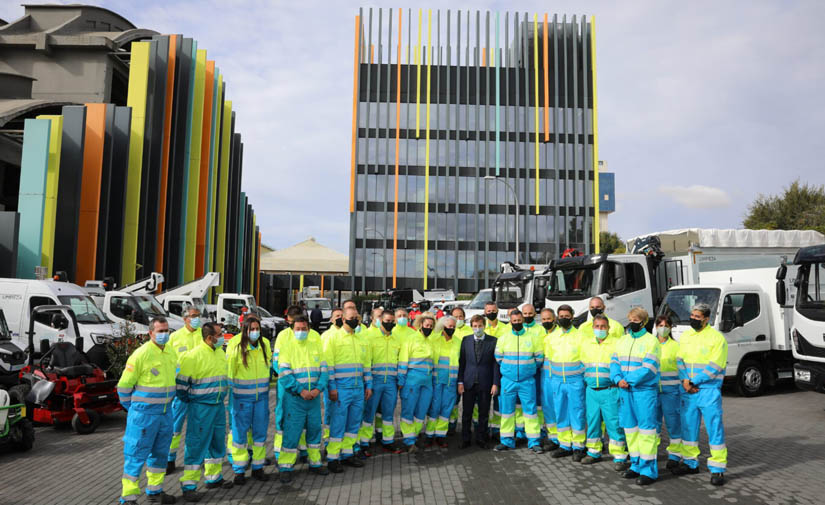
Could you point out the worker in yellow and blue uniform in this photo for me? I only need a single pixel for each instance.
(202, 385)
(305, 376)
(634, 367)
(535, 330)
(494, 328)
(702, 359)
(248, 363)
(181, 341)
(146, 389)
(336, 322)
(550, 434)
(281, 339)
(415, 379)
(567, 384)
(670, 391)
(602, 395)
(383, 349)
(518, 356)
(403, 326)
(350, 385)
(446, 351)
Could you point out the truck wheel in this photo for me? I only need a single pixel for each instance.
(22, 435)
(751, 379)
(82, 428)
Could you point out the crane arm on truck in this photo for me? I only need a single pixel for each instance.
(196, 289)
(147, 285)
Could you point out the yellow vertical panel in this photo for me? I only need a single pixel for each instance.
(215, 171)
(427, 151)
(52, 177)
(226, 139)
(536, 101)
(194, 167)
(596, 194)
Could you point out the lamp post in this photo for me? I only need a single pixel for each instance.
(383, 257)
(515, 197)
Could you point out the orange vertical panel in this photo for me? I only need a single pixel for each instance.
(354, 114)
(164, 162)
(546, 86)
(90, 192)
(484, 57)
(203, 187)
(372, 53)
(397, 147)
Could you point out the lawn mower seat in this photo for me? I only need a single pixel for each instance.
(69, 362)
(4, 402)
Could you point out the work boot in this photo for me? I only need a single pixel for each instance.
(353, 462)
(717, 479)
(537, 449)
(260, 475)
(578, 455)
(451, 430)
(562, 453)
(549, 446)
(482, 445)
(362, 455)
(285, 477)
(629, 474)
(442, 443)
(191, 496)
(644, 480)
(268, 461)
(170, 468)
(225, 484)
(318, 470)
(391, 448)
(589, 460)
(335, 466)
(162, 498)
(430, 441)
(621, 466)
(240, 479)
(501, 448)
(412, 448)
(671, 464)
(684, 469)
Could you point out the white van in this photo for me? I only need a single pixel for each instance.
(19, 296)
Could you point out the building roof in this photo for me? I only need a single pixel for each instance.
(307, 257)
(12, 109)
(674, 241)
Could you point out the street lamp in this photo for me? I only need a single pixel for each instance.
(515, 196)
(383, 257)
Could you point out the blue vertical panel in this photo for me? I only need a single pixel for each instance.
(32, 197)
(607, 192)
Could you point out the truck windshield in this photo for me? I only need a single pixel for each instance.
(150, 306)
(198, 304)
(810, 300)
(84, 308)
(575, 283)
(4, 329)
(481, 298)
(509, 294)
(679, 302)
(321, 304)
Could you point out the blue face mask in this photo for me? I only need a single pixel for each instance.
(358, 329)
(402, 321)
(161, 338)
(376, 323)
(301, 335)
(600, 334)
(219, 343)
(459, 323)
(195, 322)
(254, 335)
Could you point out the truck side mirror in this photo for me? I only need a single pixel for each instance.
(78, 343)
(781, 272)
(619, 279)
(59, 321)
(780, 293)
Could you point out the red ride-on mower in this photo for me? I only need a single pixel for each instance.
(65, 386)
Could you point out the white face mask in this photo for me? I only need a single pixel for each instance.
(459, 323)
(662, 331)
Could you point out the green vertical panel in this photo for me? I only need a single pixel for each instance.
(213, 163)
(31, 201)
(52, 177)
(241, 241)
(194, 167)
(223, 193)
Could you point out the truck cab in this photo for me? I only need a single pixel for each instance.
(230, 307)
(326, 310)
(136, 310)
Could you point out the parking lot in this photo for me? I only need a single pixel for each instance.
(776, 445)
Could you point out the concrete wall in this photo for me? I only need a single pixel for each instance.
(72, 75)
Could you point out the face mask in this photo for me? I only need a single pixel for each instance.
(478, 332)
(219, 343)
(548, 325)
(517, 327)
(195, 322)
(529, 320)
(352, 323)
(600, 334)
(402, 321)
(663, 331)
(449, 331)
(492, 316)
(459, 323)
(596, 312)
(635, 327)
(565, 322)
(358, 329)
(388, 326)
(254, 335)
(339, 322)
(696, 324)
(426, 331)
(376, 323)
(161, 338)
(301, 335)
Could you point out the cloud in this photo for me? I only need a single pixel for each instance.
(696, 196)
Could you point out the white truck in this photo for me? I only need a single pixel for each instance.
(230, 307)
(805, 306)
(191, 294)
(325, 305)
(18, 297)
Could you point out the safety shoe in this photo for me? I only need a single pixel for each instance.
(501, 448)
(191, 496)
(391, 448)
(170, 468)
(429, 442)
(225, 484)
(239, 480)
(562, 453)
(260, 475)
(589, 460)
(285, 477)
(537, 449)
(466, 444)
(451, 429)
(684, 469)
(318, 470)
(442, 443)
(621, 466)
(335, 466)
(629, 474)
(482, 445)
(717, 479)
(268, 461)
(549, 445)
(644, 480)
(671, 464)
(578, 456)
(353, 462)
(412, 448)
(362, 455)
(162, 498)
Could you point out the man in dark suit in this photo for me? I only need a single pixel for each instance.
(479, 380)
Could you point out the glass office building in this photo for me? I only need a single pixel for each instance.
(461, 122)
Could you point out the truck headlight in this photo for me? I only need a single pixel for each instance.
(100, 338)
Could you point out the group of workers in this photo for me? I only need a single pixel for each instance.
(560, 387)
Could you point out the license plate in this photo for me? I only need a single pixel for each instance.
(802, 375)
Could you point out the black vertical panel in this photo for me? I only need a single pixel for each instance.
(9, 236)
(105, 193)
(177, 163)
(117, 191)
(217, 185)
(69, 183)
(232, 214)
(247, 249)
(257, 265)
(239, 231)
(145, 174)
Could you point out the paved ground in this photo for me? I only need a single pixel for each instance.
(776, 444)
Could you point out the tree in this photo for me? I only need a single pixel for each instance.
(611, 243)
(800, 207)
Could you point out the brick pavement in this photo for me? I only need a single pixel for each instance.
(776, 444)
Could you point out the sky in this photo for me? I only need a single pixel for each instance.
(703, 105)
